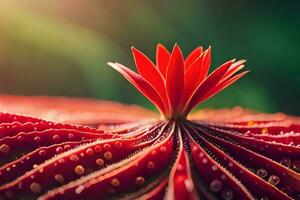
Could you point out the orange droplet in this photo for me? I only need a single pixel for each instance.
(4, 148)
(108, 155)
(264, 130)
(100, 162)
(35, 187)
(79, 169)
(115, 182)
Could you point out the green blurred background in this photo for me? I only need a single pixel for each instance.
(60, 47)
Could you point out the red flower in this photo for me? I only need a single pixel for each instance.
(87, 149)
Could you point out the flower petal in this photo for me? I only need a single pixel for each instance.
(151, 74)
(141, 84)
(162, 59)
(221, 86)
(212, 80)
(193, 56)
(175, 78)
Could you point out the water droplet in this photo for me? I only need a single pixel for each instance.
(118, 144)
(227, 194)
(115, 182)
(139, 181)
(59, 178)
(20, 138)
(89, 152)
(264, 130)
(42, 152)
(55, 138)
(188, 185)
(150, 165)
(262, 173)
(179, 167)
(195, 148)
(74, 158)
(107, 147)
(296, 165)
(67, 147)
(163, 149)
(61, 161)
(108, 155)
(274, 180)
(59, 149)
(37, 139)
(251, 123)
(215, 185)
(98, 148)
(70, 136)
(100, 162)
(214, 168)
(35, 187)
(286, 162)
(79, 189)
(79, 169)
(204, 160)
(4, 148)
(41, 169)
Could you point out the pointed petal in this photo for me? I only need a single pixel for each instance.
(206, 64)
(162, 59)
(212, 80)
(192, 78)
(175, 78)
(193, 56)
(235, 67)
(141, 84)
(150, 73)
(221, 87)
